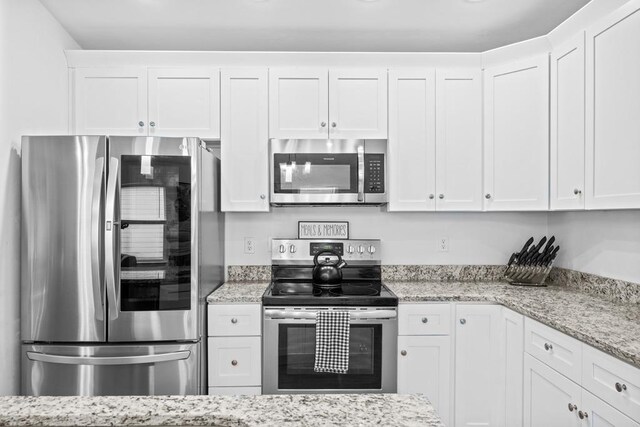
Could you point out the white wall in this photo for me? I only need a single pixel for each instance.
(33, 99)
(408, 237)
(606, 243)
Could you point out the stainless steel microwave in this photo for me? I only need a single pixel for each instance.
(328, 171)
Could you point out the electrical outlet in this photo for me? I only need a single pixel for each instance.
(249, 245)
(443, 244)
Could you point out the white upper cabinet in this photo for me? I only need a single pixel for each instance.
(298, 103)
(358, 103)
(613, 110)
(567, 125)
(411, 150)
(110, 101)
(244, 140)
(516, 151)
(458, 140)
(184, 102)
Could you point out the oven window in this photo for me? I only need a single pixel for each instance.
(315, 173)
(296, 357)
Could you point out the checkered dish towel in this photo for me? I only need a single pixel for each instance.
(332, 342)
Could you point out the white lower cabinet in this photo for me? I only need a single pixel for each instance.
(596, 413)
(477, 384)
(424, 367)
(512, 353)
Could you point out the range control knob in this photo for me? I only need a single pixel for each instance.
(350, 249)
(292, 249)
(282, 249)
(360, 249)
(372, 249)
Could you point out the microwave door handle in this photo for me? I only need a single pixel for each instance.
(361, 173)
(111, 230)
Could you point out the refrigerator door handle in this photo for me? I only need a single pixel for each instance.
(115, 360)
(111, 227)
(96, 234)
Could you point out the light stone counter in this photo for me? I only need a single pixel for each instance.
(238, 293)
(272, 410)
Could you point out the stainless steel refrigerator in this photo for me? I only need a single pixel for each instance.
(122, 239)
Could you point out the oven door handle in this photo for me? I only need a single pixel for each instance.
(361, 173)
(355, 315)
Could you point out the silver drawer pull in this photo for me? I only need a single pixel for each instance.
(403, 352)
(548, 347)
(234, 320)
(572, 407)
(583, 415)
(463, 321)
(234, 362)
(425, 320)
(620, 387)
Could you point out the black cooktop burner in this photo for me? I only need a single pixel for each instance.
(349, 293)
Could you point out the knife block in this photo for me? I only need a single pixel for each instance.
(520, 275)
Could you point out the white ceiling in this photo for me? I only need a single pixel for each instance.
(308, 25)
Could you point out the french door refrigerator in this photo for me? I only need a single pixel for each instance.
(122, 239)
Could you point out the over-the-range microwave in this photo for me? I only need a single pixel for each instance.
(328, 171)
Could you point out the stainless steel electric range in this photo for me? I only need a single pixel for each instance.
(292, 300)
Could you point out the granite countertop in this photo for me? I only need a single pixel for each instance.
(268, 410)
(613, 327)
(238, 292)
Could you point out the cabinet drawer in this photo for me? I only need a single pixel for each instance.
(424, 319)
(235, 391)
(235, 362)
(612, 380)
(234, 320)
(559, 351)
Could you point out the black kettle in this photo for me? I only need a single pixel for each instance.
(327, 272)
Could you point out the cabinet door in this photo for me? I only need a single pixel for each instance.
(458, 140)
(424, 368)
(244, 140)
(110, 101)
(548, 396)
(184, 102)
(412, 134)
(596, 413)
(567, 125)
(516, 167)
(478, 394)
(358, 104)
(613, 109)
(298, 103)
(511, 353)
(235, 361)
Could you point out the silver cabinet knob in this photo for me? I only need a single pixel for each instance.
(141, 123)
(463, 321)
(262, 196)
(441, 196)
(323, 124)
(572, 407)
(360, 249)
(425, 320)
(577, 191)
(234, 362)
(583, 415)
(333, 124)
(282, 249)
(432, 196)
(292, 249)
(620, 387)
(372, 249)
(548, 346)
(403, 352)
(234, 320)
(487, 196)
(152, 124)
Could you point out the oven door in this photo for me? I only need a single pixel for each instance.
(317, 171)
(289, 353)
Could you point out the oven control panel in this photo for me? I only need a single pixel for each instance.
(302, 251)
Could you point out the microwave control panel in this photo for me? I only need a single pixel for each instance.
(374, 173)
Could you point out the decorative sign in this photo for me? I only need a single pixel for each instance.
(323, 229)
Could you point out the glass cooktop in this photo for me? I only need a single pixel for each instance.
(348, 293)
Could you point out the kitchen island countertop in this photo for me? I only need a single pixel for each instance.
(271, 410)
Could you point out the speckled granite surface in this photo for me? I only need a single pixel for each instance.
(272, 410)
(238, 292)
(611, 289)
(462, 273)
(613, 327)
(248, 273)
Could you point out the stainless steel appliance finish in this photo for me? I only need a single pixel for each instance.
(112, 252)
(382, 376)
(110, 370)
(298, 251)
(333, 171)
